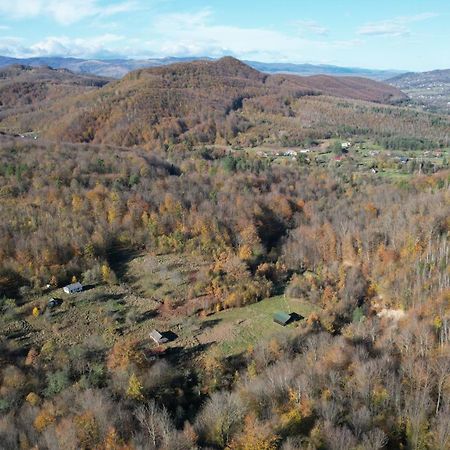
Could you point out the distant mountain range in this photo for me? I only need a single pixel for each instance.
(117, 68)
(323, 69)
(111, 68)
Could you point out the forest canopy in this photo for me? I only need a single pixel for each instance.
(191, 199)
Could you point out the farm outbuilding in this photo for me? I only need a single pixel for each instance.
(73, 288)
(158, 337)
(281, 318)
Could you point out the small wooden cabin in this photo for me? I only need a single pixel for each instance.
(158, 337)
(73, 288)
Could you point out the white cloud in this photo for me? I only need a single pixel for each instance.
(106, 45)
(399, 26)
(196, 34)
(311, 26)
(192, 34)
(63, 11)
(387, 28)
(62, 46)
(11, 46)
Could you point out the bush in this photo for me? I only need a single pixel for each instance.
(5, 404)
(220, 419)
(92, 275)
(56, 382)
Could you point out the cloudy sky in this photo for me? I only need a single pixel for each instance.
(383, 34)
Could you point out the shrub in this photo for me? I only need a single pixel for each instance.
(56, 382)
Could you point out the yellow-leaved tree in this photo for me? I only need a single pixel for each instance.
(135, 388)
(255, 437)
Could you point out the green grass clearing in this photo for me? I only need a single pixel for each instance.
(240, 328)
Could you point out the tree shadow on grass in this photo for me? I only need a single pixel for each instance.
(181, 355)
(147, 316)
(88, 287)
(207, 324)
(108, 297)
(119, 257)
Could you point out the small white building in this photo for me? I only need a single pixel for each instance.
(73, 288)
(158, 337)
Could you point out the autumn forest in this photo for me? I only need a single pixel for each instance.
(198, 199)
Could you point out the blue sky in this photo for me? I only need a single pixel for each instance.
(382, 34)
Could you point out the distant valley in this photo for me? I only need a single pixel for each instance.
(430, 90)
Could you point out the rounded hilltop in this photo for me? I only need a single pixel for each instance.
(227, 66)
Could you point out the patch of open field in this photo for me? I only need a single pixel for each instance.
(133, 308)
(235, 330)
(162, 277)
(102, 311)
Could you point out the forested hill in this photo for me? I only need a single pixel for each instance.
(201, 101)
(357, 88)
(22, 86)
(18, 72)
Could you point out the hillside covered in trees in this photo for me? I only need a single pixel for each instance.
(191, 103)
(22, 86)
(191, 199)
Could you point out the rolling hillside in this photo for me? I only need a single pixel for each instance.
(25, 86)
(201, 101)
(357, 88)
(430, 90)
